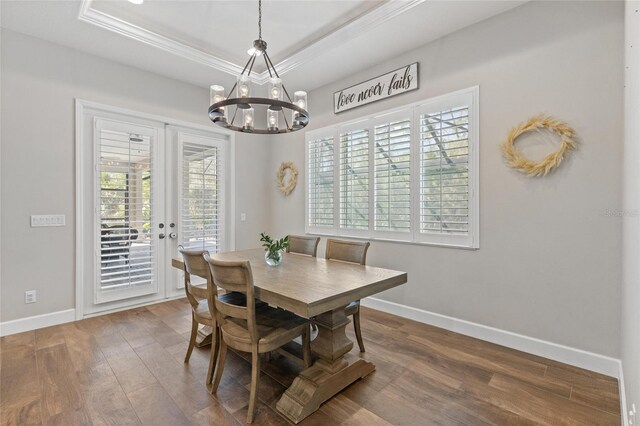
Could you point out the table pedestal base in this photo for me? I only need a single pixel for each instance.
(333, 371)
(315, 385)
(204, 337)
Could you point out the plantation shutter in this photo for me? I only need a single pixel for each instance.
(392, 180)
(126, 249)
(354, 180)
(444, 171)
(202, 201)
(320, 171)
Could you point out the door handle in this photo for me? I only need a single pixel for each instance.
(173, 235)
(161, 236)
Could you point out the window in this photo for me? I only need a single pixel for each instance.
(320, 172)
(202, 198)
(392, 176)
(126, 257)
(354, 179)
(408, 175)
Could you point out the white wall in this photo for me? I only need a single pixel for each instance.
(39, 83)
(631, 211)
(549, 264)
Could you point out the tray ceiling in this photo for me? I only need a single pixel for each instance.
(201, 42)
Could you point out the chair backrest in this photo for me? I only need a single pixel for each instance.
(303, 245)
(194, 264)
(347, 251)
(235, 276)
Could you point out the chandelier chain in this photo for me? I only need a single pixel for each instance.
(259, 19)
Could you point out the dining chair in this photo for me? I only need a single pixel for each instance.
(352, 252)
(303, 245)
(247, 330)
(202, 305)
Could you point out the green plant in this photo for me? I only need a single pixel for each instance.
(274, 247)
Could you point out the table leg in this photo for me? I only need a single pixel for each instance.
(333, 371)
(204, 336)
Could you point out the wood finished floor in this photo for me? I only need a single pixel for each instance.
(126, 368)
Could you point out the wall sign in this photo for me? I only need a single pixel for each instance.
(390, 84)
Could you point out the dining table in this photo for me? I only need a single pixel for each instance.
(317, 289)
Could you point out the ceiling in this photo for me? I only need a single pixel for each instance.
(312, 43)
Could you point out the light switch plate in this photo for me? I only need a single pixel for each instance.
(30, 296)
(39, 220)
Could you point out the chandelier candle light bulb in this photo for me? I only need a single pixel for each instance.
(216, 94)
(300, 99)
(248, 119)
(272, 120)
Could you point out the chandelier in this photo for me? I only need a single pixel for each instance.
(278, 103)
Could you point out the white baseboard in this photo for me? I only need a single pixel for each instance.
(623, 397)
(565, 354)
(37, 321)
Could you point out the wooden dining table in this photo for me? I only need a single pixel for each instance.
(320, 289)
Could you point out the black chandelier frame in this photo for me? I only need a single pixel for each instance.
(217, 115)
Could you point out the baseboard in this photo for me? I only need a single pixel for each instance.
(37, 321)
(623, 397)
(565, 354)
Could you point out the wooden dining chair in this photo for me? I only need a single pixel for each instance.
(352, 252)
(202, 303)
(303, 245)
(247, 330)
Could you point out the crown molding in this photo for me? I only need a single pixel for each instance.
(119, 26)
(352, 29)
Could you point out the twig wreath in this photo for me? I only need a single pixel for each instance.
(287, 187)
(515, 158)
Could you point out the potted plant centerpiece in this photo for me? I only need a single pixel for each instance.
(273, 248)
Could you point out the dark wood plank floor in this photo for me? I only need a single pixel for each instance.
(126, 368)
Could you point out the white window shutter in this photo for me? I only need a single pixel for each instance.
(320, 181)
(392, 176)
(354, 181)
(444, 171)
(201, 219)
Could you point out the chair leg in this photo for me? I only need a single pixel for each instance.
(306, 347)
(356, 325)
(255, 379)
(219, 365)
(213, 358)
(192, 339)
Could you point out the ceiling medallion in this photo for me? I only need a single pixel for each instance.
(276, 105)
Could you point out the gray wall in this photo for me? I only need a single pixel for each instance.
(549, 264)
(631, 211)
(40, 81)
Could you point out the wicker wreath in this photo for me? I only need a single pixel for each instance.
(287, 187)
(551, 161)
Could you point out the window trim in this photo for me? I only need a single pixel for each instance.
(471, 240)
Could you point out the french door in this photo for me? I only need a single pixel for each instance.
(129, 199)
(145, 188)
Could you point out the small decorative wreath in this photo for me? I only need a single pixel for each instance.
(287, 187)
(551, 161)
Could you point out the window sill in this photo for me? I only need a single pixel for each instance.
(394, 241)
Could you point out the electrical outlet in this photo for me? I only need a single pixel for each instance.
(30, 296)
(632, 415)
(39, 220)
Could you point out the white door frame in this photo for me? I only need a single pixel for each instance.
(81, 106)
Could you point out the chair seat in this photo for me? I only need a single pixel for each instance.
(274, 326)
(352, 308)
(233, 298)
